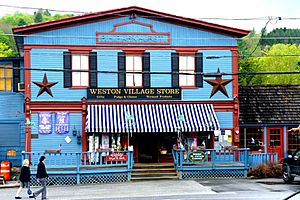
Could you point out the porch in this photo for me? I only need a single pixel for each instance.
(102, 167)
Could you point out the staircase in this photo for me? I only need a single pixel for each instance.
(153, 171)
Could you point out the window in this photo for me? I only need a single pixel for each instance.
(5, 77)
(293, 140)
(80, 62)
(134, 63)
(186, 65)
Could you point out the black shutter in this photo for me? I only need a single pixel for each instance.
(199, 69)
(121, 70)
(146, 68)
(175, 68)
(93, 70)
(67, 70)
(16, 75)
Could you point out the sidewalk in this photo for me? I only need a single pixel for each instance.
(10, 184)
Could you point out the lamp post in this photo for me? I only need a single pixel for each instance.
(129, 119)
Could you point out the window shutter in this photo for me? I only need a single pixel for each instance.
(175, 68)
(146, 68)
(121, 68)
(199, 69)
(93, 67)
(67, 70)
(16, 75)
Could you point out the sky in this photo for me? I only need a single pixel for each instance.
(260, 10)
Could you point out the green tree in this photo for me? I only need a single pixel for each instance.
(38, 17)
(5, 50)
(275, 59)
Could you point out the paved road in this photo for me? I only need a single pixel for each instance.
(171, 190)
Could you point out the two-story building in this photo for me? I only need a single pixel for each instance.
(129, 78)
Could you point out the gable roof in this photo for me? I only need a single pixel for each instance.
(128, 11)
(269, 104)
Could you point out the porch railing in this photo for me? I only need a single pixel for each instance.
(213, 158)
(262, 158)
(79, 160)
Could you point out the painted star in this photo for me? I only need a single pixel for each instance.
(45, 86)
(218, 84)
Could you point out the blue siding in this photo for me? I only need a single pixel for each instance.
(107, 61)
(12, 112)
(160, 61)
(225, 119)
(51, 59)
(180, 35)
(52, 141)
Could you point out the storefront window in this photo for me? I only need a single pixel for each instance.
(5, 77)
(293, 140)
(253, 138)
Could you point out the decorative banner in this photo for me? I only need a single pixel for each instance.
(62, 122)
(45, 123)
(131, 94)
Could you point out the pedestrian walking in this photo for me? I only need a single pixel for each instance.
(24, 179)
(41, 176)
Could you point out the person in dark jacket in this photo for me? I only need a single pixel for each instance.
(41, 176)
(24, 178)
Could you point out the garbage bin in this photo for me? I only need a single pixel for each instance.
(5, 169)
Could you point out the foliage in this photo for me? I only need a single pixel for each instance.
(280, 33)
(269, 170)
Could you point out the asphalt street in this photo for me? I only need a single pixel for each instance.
(217, 189)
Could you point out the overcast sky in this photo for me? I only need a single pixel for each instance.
(197, 9)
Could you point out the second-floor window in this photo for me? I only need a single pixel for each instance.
(186, 65)
(80, 62)
(134, 63)
(5, 77)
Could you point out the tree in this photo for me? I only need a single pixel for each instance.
(38, 17)
(5, 50)
(275, 59)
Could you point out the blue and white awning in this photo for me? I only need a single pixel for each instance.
(113, 118)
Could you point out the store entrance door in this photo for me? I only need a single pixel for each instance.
(154, 147)
(275, 141)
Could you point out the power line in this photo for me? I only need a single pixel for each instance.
(205, 74)
(35, 8)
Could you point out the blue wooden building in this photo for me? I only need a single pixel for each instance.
(11, 110)
(129, 79)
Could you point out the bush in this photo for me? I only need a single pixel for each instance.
(269, 170)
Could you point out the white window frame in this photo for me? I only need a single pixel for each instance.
(134, 63)
(80, 62)
(187, 64)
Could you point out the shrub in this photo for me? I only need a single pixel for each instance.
(269, 170)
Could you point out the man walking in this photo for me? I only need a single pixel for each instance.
(41, 178)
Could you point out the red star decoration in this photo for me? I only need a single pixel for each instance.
(45, 86)
(218, 84)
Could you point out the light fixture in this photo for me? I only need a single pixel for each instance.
(78, 137)
(74, 131)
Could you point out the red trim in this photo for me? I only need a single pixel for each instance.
(44, 106)
(88, 18)
(124, 48)
(113, 32)
(27, 96)
(134, 51)
(183, 52)
(79, 87)
(79, 51)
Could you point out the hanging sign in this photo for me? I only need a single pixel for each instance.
(197, 156)
(113, 157)
(45, 123)
(62, 122)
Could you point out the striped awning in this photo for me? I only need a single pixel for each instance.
(120, 118)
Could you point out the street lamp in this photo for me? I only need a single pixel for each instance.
(129, 119)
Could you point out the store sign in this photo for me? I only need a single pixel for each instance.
(45, 123)
(129, 94)
(117, 157)
(62, 122)
(197, 156)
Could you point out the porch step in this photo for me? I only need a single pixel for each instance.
(153, 171)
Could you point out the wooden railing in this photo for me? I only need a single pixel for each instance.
(230, 158)
(85, 159)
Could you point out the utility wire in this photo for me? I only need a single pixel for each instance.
(205, 74)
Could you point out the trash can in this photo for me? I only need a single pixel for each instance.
(5, 170)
